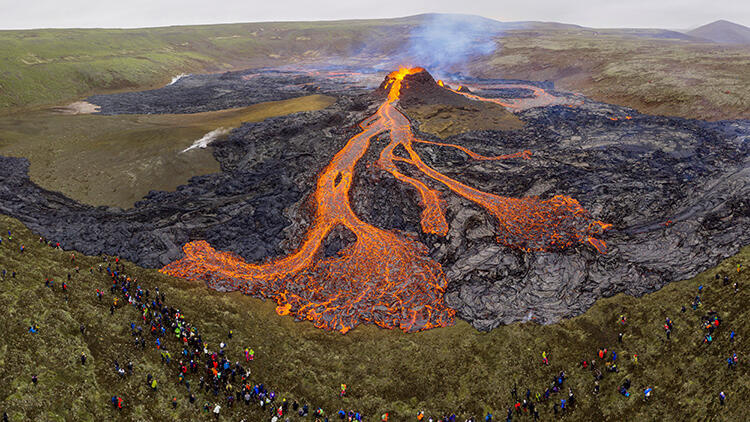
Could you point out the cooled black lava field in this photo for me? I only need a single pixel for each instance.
(676, 191)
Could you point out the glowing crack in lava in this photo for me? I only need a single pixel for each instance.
(384, 277)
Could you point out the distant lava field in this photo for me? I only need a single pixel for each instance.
(351, 215)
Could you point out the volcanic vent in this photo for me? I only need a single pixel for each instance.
(419, 87)
(385, 277)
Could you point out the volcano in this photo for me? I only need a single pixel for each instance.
(386, 278)
(351, 215)
(418, 87)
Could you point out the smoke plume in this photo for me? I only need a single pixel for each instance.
(445, 43)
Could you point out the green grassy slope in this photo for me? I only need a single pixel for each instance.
(54, 65)
(656, 76)
(453, 369)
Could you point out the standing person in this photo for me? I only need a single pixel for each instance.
(83, 358)
(722, 397)
(217, 410)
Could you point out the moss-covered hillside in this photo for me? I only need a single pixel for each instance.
(440, 371)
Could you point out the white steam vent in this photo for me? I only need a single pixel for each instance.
(177, 78)
(208, 138)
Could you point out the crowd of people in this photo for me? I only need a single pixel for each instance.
(183, 349)
(225, 381)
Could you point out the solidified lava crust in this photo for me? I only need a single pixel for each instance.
(384, 278)
(431, 227)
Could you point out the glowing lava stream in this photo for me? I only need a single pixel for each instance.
(384, 278)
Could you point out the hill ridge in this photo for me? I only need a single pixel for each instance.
(723, 31)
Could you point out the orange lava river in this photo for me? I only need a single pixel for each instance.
(384, 277)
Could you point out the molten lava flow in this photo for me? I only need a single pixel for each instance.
(395, 79)
(383, 278)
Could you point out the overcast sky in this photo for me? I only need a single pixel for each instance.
(672, 14)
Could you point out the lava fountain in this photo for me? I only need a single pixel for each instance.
(385, 277)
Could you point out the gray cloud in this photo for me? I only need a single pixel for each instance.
(16, 14)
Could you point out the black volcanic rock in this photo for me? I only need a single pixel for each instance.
(200, 93)
(675, 190)
(245, 208)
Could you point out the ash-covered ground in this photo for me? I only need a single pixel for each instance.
(676, 191)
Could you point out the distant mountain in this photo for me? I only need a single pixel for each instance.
(480, 23)
(723, 32)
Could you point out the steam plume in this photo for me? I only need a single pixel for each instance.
(208, 138)
(177, 78)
